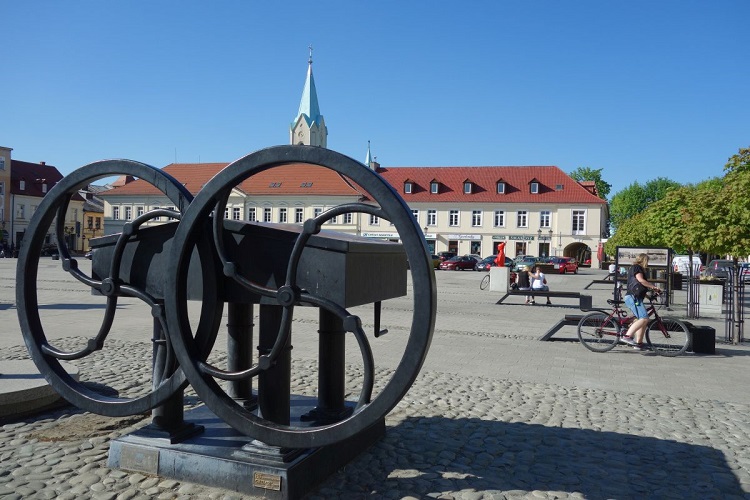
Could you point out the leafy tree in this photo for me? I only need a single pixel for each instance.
(589, 174)
(738, 162)
(637, 197)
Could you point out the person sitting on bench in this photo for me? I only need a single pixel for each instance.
(539, 282)
(524, 283)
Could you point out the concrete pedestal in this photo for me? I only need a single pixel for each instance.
(499, 279)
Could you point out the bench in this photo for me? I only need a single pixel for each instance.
(584, 301)
(568, 320)
(599, 282)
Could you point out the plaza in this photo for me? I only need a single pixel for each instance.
(494, 413)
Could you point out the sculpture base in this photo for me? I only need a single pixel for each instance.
(221, 457)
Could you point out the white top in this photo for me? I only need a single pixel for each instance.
(538, 283)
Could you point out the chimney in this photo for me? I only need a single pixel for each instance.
(42, 162)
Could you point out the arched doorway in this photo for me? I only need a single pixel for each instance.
(579, 251)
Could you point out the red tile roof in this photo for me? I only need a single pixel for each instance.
(34, 175)
(555, 186)
(293, 179)
(303, 179)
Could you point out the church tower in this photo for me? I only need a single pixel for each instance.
(309, 127)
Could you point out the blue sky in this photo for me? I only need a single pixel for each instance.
(641, 89)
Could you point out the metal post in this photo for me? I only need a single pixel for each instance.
(240, 350)
(274, 384)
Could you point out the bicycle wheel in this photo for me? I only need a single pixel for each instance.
(485, 282)
(668, 337)
(597, 332)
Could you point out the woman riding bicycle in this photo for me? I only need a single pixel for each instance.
(638, 285)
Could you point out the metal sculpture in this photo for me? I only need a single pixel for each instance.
(210, 259)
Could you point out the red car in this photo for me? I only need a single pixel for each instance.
(459, 263)
(564, 265)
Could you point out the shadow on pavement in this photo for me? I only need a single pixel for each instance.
(433, 455)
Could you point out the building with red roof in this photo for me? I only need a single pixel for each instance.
(537, 210)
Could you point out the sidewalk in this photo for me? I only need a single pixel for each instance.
(495, 413)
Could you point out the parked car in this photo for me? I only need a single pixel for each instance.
(564, 265)
(446, 255)
(488, 262)
(459, 263)
(681, 264)
(718, 268)
(476, 256)
(745, 272)
(435, 261)
(528, 261)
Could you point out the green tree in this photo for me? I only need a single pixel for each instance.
(637, 197)
(589, 174)
(739, 162)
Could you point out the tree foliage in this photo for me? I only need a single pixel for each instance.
(589, 174)
(637, 197)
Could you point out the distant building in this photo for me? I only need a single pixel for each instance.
(537, 210)
(30, 183)
(5, 157)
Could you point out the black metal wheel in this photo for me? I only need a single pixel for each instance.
(203, 376)
(46, 356)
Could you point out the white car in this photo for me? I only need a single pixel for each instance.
(681, 264)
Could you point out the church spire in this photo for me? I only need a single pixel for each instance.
(309, 126)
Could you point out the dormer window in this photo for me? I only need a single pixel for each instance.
(408, 186)
(500, 187)
(22, 185)
(44, 187)
(534, 186)
(434, 187)
(467, 187)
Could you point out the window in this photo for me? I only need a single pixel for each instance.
(282, 215)
(415, 214)
(138, 211)
(499, 218)
(501, 187)
(2, 163)
(534, 188)
(545, 218)
(453, 218)
(90, 222)
(432, 217)
(317, 211)
(347, 218)
(579, 221)
(299, 215)
(407, 187)
(22, 184)
(98, 223)
(251, 216)
(128, 213)
(236, 213)
(374, 220)
(2, 189)
(116, 213)
(226, 212)
(334, 220)
(467, 187)
(267, 214)
(476, 218)
(44, 187)
(559, 187)
(434, 187)
(522, 219)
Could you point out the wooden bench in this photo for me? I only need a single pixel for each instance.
(584, 301)
(599, 282)
(568, 320)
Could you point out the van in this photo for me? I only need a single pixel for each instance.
(681, 264)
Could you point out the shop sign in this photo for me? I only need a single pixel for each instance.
(380, 235)
(463, 236)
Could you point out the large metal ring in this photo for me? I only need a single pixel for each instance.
(47, 357)
(190, 231)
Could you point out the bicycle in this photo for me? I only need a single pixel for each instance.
(485, 282)
(601, 331)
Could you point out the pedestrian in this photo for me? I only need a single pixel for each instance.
(524, 282)
(637, 288)
(539, 282)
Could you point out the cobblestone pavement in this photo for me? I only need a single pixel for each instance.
(495, 413)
